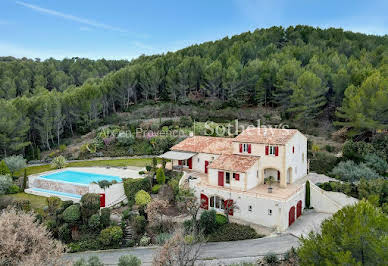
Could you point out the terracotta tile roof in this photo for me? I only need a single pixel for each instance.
(266, 135)
(204, 144)
(236, 163)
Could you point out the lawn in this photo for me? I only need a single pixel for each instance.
(140, 162)
(37, 202)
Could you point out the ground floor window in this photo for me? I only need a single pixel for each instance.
(217, 203)
(227, 178)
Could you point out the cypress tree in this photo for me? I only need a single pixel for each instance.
(307, 200)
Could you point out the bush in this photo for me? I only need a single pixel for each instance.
(271, 259)
(376, 163)
(129, 260)
(53, 204)
(64, 233)
(4, 168)
(126, 214)
(72, 214)
(160, 176)
(22, 204)
(111, 236)
(233, 232)
(132, 186)
(221, 219)
(155, 189)
(92, 261)
(323, 162)
(62, 147)
(349, 171)
(90, 204)
(162, 238)
(94, 222)
(142, 198)
(185, 121)
(207, 221)
(125, 139)
(355, 151)
(5, 184)
(105, 217)
(58, 162)
(13, 189)
(148, 168)
(139, 224)
(145, 240)
(15, 163)
(66, 203)
(86, 244)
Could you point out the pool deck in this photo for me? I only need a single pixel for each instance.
(132, 172)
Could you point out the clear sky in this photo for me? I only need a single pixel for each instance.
(126, 29)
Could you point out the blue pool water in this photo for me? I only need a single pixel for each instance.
(56, 193)
(79, 177)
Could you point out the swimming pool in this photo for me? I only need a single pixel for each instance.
(83, 178)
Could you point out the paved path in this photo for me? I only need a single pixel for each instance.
(221, 250)
(309, 221)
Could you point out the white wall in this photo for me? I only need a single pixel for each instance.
(113, 193)
(234, 184)
(259, 214)
(253, 176)
(199, 161)
(294, 160)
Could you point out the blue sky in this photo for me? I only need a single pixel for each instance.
(127, 29)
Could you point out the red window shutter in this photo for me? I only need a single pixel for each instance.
(249, 148)
(102, 200)
(240, 147)
(229, 205)
(293, 149)
(206, 165)
(276, 151)
(204, 202)
(266, 150)
(237, 177)
(221, 178)
(190, 162)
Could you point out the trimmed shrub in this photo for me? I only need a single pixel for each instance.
(92, 261)
(207, 221)
(155, 189)
(323, 162)
(72, 214)
(25, 179)
(58, 162)
(233, 232)
(13, 189)
(307, 199)
(221, 219)
(90, 204)
(83, 245)
(66, 203)
(111, 236)
(64, 233)
(105, 217)
(132, 186)
(139, 224)
(129, 260)
(145, 241)
(160, 176)
(142, 198)
(94, 222)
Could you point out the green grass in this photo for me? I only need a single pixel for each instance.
(37, 202)
(140, 162)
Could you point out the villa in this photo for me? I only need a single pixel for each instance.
(230, 173)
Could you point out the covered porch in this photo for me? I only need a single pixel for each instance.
(179, 160)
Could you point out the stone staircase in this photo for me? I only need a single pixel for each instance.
(129, 233)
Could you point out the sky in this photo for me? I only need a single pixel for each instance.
(125, 29)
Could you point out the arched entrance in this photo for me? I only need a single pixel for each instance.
(289, 175)
(291, 216)
(299, 209)
(275, 173)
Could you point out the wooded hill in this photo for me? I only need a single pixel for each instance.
(305, 73)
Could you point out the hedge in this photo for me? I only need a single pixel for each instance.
(233, 232)
(132, 186)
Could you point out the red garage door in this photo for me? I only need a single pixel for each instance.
(291, 216)
(299, 209)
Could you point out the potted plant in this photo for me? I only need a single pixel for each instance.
(269, 180)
